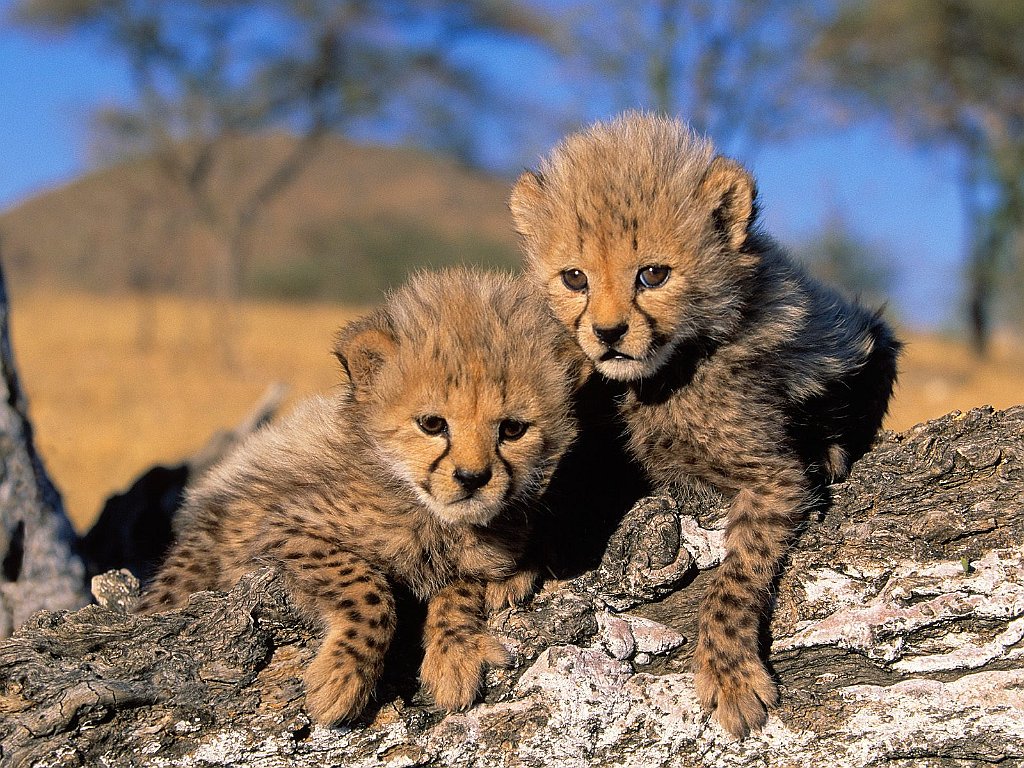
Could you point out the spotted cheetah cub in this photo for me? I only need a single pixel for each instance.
(421, 471)
(741, 371)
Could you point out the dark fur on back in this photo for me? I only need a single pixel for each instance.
(823, 361)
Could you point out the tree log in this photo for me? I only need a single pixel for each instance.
(897, 636)
(39, 565)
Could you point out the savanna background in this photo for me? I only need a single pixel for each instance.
(194, 195)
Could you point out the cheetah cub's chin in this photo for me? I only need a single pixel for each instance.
(421, 471)
(616, 364)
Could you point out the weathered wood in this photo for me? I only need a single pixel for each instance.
(39, 567)
(898, 637)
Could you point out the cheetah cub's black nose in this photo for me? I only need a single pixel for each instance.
(470, 480)
(612, 334)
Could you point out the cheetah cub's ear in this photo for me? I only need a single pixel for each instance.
(728, 192)
(526, 203)
(362, 347)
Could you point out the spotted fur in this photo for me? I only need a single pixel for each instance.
(455, 411)
(741, 370)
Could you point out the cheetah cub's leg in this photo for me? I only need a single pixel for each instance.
(511, 591)
(730, 678)
(458, 648)
(357, 607)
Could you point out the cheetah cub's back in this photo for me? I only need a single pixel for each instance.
(422, 470)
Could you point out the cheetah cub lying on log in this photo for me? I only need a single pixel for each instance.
(421, 471)
(741, 370)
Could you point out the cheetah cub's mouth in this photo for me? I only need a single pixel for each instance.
(463, 500)
(616, 364)
(467, 510)
(614, 354)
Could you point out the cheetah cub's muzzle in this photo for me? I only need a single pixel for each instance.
(469, 474)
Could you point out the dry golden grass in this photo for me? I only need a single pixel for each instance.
(117, 384)
(938, 375)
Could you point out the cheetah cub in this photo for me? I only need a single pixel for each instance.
(421, 471)
(741, 371)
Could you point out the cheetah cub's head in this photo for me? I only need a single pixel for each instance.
(462, 385)
(638, 235)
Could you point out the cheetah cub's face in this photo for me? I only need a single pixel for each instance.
(465, 382)
(634, 231)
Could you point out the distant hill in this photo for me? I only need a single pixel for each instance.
(354, 222)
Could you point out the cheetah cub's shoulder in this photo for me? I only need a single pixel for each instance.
(455, 410)
(740, 369)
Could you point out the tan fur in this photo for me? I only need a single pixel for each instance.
(741, 370)
(353, 494)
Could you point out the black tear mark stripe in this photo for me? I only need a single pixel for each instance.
(649, 318)
(437, 462)
(579, 318)
(509, 469)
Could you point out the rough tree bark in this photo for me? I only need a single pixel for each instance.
(39, 565)
(897, 635)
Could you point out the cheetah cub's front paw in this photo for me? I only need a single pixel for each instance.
(739, 696)
(514, 590)
(453, 668)
(336, 689)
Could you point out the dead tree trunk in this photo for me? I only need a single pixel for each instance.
(897, 635)
(40, 568)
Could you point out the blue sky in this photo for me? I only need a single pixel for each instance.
(50, 88)
(903, 200)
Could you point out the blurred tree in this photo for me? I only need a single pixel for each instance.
(952, 74)
(731, 69)
(207, 72)
(841, 258)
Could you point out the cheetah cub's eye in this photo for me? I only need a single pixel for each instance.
(652, 276)
(510, 429)
(574, 279)
(432, 425)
